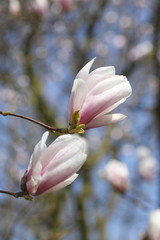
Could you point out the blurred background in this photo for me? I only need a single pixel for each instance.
(43, 45)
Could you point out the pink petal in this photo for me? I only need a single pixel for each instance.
(112, 107)
(105, 120)
(61, 172)
(94, 105)
(64, 183)
(107, 84)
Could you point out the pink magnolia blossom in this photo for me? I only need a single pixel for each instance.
(41, 7)
(143, 152)
(154, 225)
(117, 174)
(147, 168)
(54, 167)
(147, 165)
(96, 94)
(66, 5)
(14, 7)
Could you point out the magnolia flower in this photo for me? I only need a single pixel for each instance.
(147, 168)
(66, 5)
(54, 167)
(117, 174)
(154, 225)
(143, 152)
(41, 7)
(14, 7)
(96, 94)
(147, 165)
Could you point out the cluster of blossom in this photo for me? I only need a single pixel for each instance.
(94, 95)
(117, 173)
(41, 7)
(38, 6)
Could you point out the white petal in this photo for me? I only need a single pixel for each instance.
(83, 73)
(64, 183)
(57, 146)
(32, 186)
(64, 156)
(44, 139)
(38, 150)
(35, 165)
(78, 95)
(99, 75)
(68, 149)
(102, 71)
(105, 120)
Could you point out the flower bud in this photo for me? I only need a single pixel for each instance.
(116, 173)
(54, 167)
(147, 165)
(41, 7)
(66, 5)
(14, 7)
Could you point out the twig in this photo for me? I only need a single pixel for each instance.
(52, 129)
(9, 193)
(18, 194)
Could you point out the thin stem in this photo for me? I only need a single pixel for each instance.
(25, 195)
(58, 130)
(9, 193)
(71, 130)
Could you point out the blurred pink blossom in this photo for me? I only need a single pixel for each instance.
(14, 7)
(147, 168)
(143, 152)
(66, 5)
(54, 167)
(96, 94)
(147, 165)
(117, 174)
(41, 7)
(154, 225)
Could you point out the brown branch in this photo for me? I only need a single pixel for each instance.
(18, 194)
(52, 129)
(9, 193)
